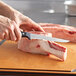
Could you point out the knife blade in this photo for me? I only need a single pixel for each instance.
(36, 36)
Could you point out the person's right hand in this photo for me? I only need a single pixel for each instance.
(9, 29)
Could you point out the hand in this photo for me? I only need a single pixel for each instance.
(9, 29)
(15, 23)
(24, 22)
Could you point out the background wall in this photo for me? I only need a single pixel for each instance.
(51, 11)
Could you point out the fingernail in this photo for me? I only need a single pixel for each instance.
(15, 39)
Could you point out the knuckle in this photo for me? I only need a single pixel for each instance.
(3, 33)
(10, 28)
(6, 31)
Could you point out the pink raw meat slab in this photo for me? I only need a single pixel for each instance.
(60, 31)
(42, 47)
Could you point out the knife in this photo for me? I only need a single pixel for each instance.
(1, 42)
(36, 36)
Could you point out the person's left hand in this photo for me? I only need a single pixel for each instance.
(25, 23)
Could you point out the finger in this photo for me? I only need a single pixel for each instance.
(2, 29)
(31, 26)
(12, 35)
(2, 34)
(17, 32)
(6, 35)
(34, 25)
(40, 28)
(37, 27)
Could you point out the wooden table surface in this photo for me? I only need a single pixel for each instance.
(12, 59)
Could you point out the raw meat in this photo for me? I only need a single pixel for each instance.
(42, 47)
(60, 31)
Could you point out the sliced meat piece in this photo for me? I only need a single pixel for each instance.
(60, 31)
(42, 47)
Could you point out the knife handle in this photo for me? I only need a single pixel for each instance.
(25, 34)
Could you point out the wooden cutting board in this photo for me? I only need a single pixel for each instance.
(11, 57)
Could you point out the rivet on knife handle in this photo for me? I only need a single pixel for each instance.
(25, 34)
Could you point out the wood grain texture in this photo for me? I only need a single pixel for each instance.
(11, 57)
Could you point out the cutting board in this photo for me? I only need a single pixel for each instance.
(11, 57)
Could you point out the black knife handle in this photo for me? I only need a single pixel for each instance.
(25, 34)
